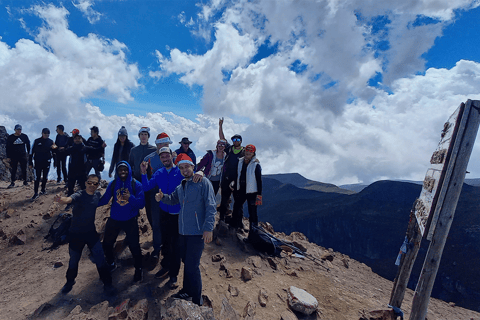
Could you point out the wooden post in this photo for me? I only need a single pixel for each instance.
(414, 237)
(457, 167)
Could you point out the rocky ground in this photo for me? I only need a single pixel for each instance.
(31, 278)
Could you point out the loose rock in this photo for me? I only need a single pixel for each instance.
(302, 301)
(246, 274)
(263, 297)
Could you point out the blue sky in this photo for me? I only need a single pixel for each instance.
(341, 93)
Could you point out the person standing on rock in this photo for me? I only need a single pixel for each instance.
(76, 165)
(95, 152)
(42, 154)
(185, 148)
(61, 141)
(151, 207)
(247, 187)
(195, 225)
(233, 153)
(167, 179)
(18, 149)
(121, 149)
(128, 199)
(212, 164)
(83, 232)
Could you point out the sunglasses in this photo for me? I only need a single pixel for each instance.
(90, 183)
(236, 139)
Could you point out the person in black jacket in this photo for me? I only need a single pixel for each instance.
(16, 144)
(95, 152)
(42, 154)
(76, 166)
(60, 161)
(185, 148)
(121, 149)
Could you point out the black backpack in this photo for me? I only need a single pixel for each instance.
(59, 230)
(263, 242)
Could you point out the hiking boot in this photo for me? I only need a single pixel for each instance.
(35, 197)
(11, 185)
(43, 192)
(172, 283)
(181, 295)
(109, 290)
(59, 180)
(112, 267)
(68, 287)
(25, 183)
(138, 276)
(162, 273)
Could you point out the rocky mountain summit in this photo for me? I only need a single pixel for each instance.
(238, 281)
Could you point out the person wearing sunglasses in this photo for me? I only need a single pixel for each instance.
(83, 232)
(229, 174)
(212, 164)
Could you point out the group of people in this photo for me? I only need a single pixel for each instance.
(178, 194)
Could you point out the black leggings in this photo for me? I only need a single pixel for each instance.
(61, 164)
(41, 172)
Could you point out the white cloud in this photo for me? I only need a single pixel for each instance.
(85, 6)
(326, 108)
(48, 77)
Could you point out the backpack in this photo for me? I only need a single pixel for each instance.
(59, 231)
(263, 242)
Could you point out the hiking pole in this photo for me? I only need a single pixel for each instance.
(295, 249)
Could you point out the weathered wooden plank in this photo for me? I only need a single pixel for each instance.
(457, 167)
(431, 190)
(414, 237)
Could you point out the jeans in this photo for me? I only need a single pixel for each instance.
(61, 164)
(191, 248)
(112, 229)
(170, 250)
(76, 244)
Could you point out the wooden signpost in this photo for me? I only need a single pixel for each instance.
(433, 212)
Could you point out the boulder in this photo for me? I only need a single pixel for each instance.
(182, 309)
(227, 311)
(302, 301)
(249, 311)
(233, 290)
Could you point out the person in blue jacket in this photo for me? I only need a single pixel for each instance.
(166, 179)
(195, 224)
(128, 199)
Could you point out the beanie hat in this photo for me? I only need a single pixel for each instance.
(46, 130)
(163, 138)
(183, 158)
(250, 148)
(123, 131)
(144, 129)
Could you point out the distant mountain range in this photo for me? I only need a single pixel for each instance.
(370, 227)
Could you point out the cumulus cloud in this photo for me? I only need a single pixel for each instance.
(86, 7)
(49, 76)
(313, 95)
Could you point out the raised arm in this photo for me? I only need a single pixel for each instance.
(220, 129)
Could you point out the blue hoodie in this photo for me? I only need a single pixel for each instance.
(135, 202)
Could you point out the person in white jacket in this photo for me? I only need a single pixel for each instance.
(247, 187)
